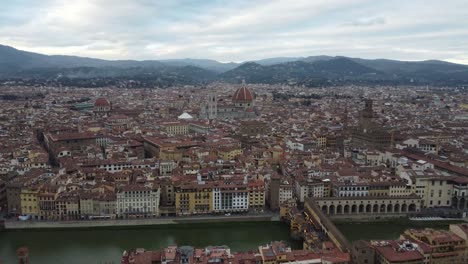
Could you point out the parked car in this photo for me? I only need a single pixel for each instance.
(24, 217)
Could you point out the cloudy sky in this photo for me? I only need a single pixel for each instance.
(238, 30)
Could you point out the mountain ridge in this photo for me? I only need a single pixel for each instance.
(310, 70)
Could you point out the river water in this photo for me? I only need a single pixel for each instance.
(99, 246)
(104, 246)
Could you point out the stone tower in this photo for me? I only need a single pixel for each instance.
(212, 106)
(368, 112)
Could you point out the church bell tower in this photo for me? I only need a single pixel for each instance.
(212, 106)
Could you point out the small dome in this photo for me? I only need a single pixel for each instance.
(243, 94)
(101, 102)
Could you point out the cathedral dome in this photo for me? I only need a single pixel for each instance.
(243, 94)
(101, 102)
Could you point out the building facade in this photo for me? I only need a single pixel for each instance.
(135, 201)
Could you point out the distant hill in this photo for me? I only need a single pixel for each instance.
(313, 70)
(19, 59)
(211, 65)
(278, 60)
(298, 71)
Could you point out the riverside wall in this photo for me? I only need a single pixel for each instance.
(19, 225)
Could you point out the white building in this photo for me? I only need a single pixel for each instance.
(295, 145)
(230, 198)
(286, 192)
(138, 201)
(351, 189)
(422, 165)
(306, 188)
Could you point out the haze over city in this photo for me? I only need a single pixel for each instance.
(238, 30)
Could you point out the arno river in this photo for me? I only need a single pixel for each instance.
(106, 245)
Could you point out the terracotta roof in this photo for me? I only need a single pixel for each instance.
(392, 253)
(101, 102)
(243, 94)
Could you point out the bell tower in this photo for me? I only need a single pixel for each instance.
(212, 106)
(368, 112)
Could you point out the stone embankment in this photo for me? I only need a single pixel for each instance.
(18, 225)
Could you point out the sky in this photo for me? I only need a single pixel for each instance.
(238, 30)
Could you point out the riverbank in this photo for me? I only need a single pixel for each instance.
(361, 218)
(22, 225)
(397, 220)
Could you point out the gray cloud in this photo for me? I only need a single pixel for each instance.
(239, 30)
(367, 22)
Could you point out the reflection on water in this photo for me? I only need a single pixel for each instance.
(104, 245)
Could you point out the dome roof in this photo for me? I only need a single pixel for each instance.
(101, 102)
(243, 94)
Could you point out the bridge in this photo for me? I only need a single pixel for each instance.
(369, 205)
(319, 220)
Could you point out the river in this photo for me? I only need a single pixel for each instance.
(99, 246)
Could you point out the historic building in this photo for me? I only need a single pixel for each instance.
(368, 133)
(241, 106)
(193, 198)
(138, 201)
(102, 107)
(380, 206)
(280, 190)
(253, 128)
(230, 197)
(415, 246)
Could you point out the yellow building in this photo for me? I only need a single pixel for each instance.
(463, 106)
(434, 191)
(193, 198)
(68, 206)
(30, 201)
(321, 140)
(229, 153)
(256, 194)
(400, 189)
(461, 230)
(86, 205)
(327, 187)
(445, 246)
(276, 252)
(47, 209)
(286, 208)
(175, 155)
(379, 189)
(175, 128)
